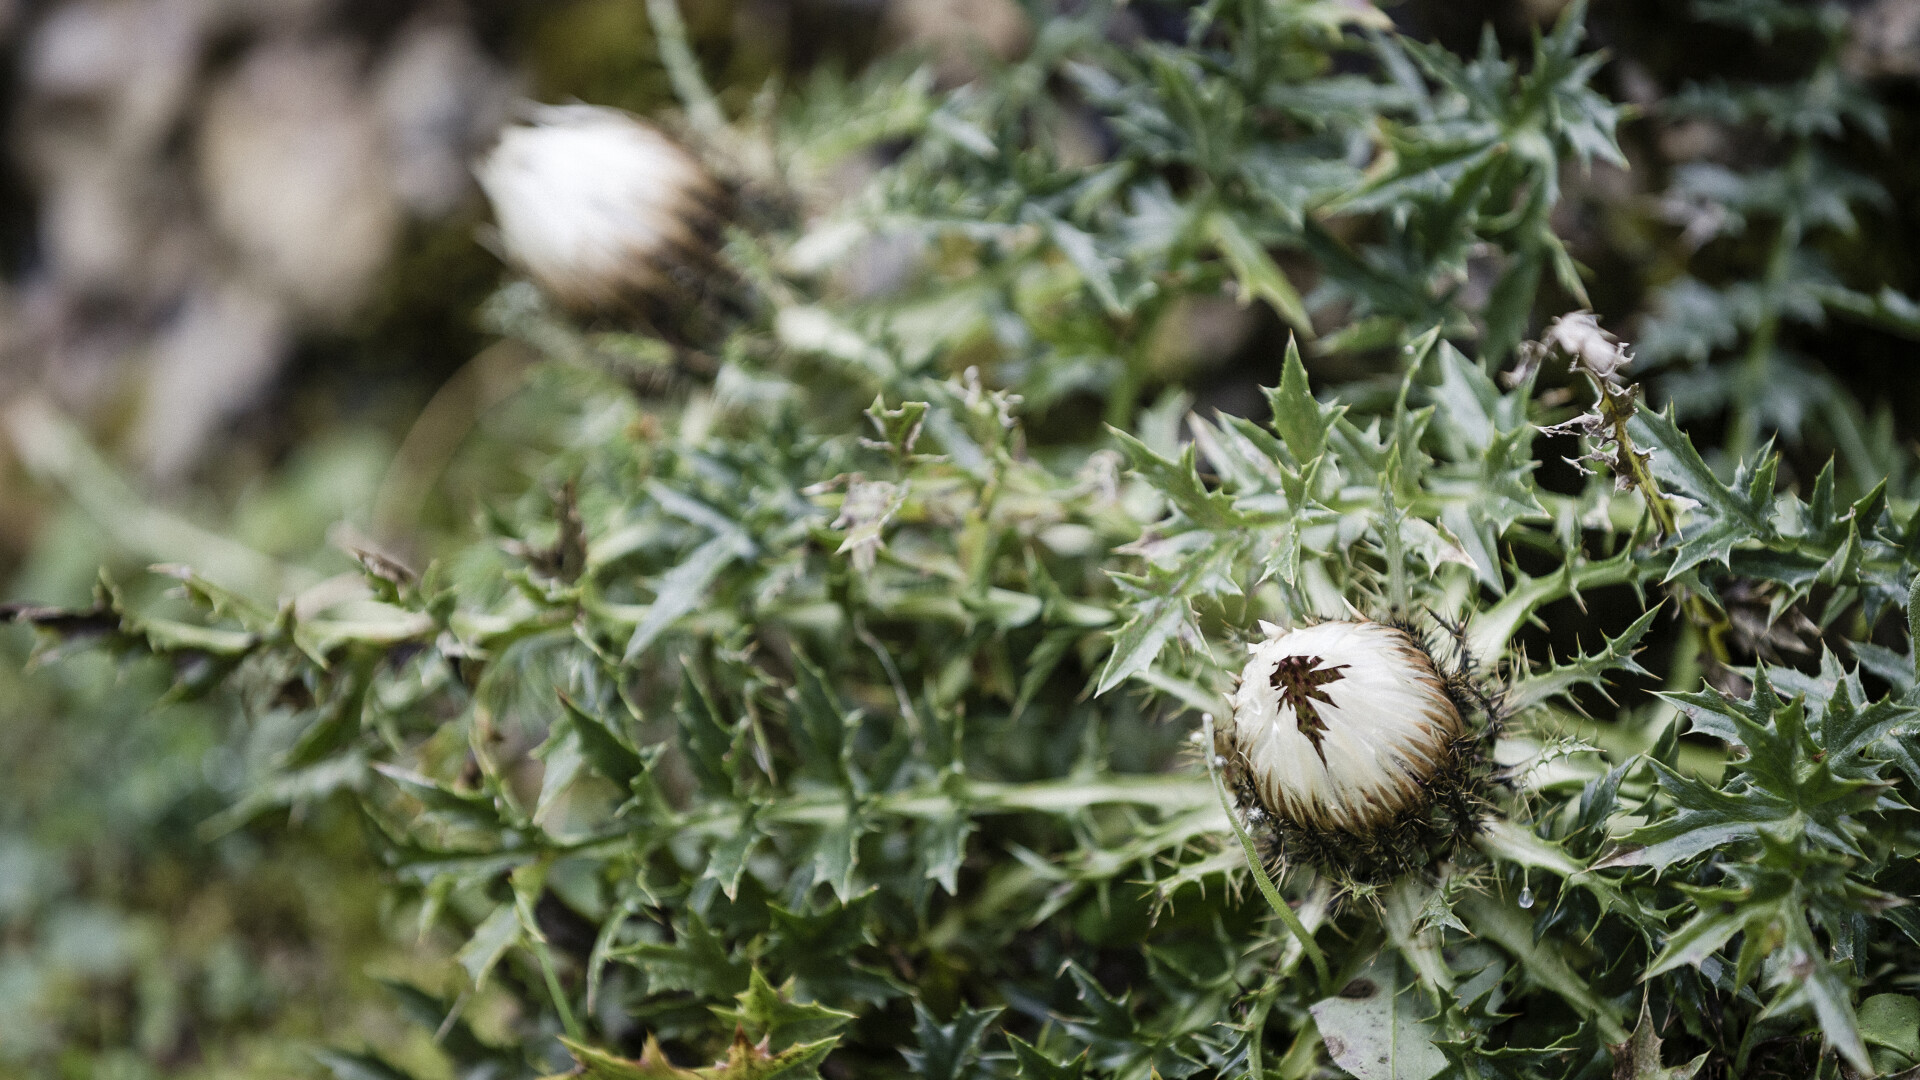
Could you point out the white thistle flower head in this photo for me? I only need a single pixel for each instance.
(594, 205)
(1345, 735)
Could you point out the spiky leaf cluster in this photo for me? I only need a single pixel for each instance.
(820, 703)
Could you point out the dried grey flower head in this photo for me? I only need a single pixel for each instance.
(1604, 359)
(1354, 750)
(869, 506)
(597, 207)
(1579, 338)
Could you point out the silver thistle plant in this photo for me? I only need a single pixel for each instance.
(826, 711)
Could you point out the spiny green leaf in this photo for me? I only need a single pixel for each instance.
(607, 752)
(1491, 629)
(710, 741)
(944, 847)
(498, 932)
(898, 428)
(765, 1012)
(338, 723)
(680, 590)
(744, 1061)
(1108, 1019)
(1258, 274)
(1508, 926)
(1639, 1058)
(1732, 517)
(948, 1051)
(1814, 980)
(837, 855)
(1161, 604)
(817, 948)
(727, 859)
(1722, 913)
(1588, 669)
(818, 724)
(1082, 251)
(364, 1066)
(1180, 482)
(1299, 419)
(1032, 1063)
(1703, 818)
(698, 961)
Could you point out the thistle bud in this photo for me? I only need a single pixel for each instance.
(1353, 748)
(598, 208)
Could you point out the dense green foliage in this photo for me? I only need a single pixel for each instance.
(825, 699)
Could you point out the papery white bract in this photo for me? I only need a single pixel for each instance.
(593, 204)
(1341, 726)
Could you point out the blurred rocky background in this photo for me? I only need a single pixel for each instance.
(241, 251)
(228, 226)
(208, 192)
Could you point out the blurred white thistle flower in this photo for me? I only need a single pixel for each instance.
(595, 206)
(1353, 746)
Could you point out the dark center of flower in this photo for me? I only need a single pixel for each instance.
(1299, 685)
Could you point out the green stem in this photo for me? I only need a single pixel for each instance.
(683, 69)
(1256, 1032)
(558, 994)
(1251, 52)
(1619, 406)
(1124, 399)
(1744, 432)
(1399, 591)
(1260, 878)
(1658, 505)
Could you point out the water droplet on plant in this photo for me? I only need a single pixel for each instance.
(1526, 897)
